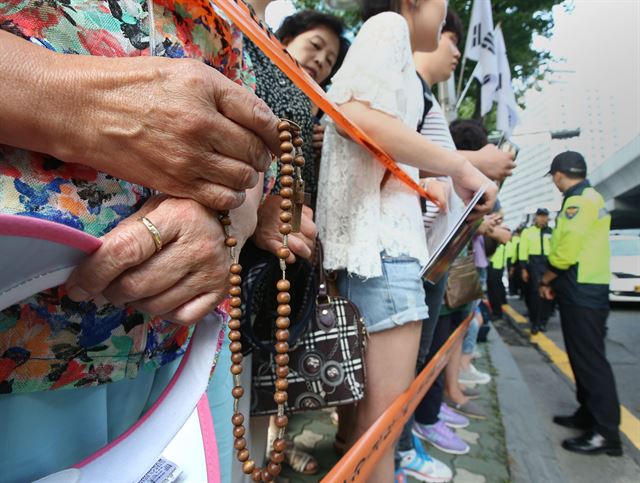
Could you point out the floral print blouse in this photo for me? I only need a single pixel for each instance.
(48, 341)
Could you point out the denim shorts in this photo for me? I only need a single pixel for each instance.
(389, 301)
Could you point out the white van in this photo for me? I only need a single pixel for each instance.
(625, 266)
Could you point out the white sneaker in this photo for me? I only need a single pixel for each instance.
(421, 466)
(473, 376)
(476, 354)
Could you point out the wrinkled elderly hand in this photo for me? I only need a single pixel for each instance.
(267, 236)
(182, 282)
(318, 136)
(175, 125)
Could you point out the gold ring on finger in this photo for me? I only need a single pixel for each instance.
(155, 234)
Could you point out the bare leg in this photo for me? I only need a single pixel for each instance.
(391, 366)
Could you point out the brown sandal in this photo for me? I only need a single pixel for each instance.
(300, 461)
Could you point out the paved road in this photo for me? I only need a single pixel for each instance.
(623, 351)
(553, 392)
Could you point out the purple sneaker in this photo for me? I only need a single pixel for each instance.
(441, 436)
(452, 418)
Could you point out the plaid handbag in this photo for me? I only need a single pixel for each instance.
(326, 363)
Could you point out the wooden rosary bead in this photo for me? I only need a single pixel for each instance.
(284, 310)
(282, 347)
(240, 443)
(279, 445)
(282, 384)
(284, 136)
(237, 392)
(290, 141)
(286, 205)
(281, 421)
(277, 457)
(282, 372)
(274, 469)
(280, 397)
(283, 285)
(283, 253)
(286, 193)
(237, 419)
(243, 455)
(283, 322)
(238, 432)
(248, 467)
(282, 335)
(236, 369)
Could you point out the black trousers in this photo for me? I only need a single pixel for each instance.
(583, 330)
(434, 299)
(495, 291)
(513, 271)
(539, 308)
(428, 409)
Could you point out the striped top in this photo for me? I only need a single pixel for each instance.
(436, 129)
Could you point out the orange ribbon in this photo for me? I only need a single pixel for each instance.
(238, 12)
(359, 462)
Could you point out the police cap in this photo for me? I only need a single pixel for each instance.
(569, 162)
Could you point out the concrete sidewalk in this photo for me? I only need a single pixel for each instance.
(488, 460)
(545, 370)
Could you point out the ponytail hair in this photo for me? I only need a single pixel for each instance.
(374, 7)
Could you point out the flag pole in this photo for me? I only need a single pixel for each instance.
(464, 61)
(464, 92)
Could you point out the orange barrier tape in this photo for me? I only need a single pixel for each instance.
(358, 463)
(252, 27)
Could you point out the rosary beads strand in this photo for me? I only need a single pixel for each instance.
(291, 162)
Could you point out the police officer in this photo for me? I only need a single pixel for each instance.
(579, 278)
(535, 242)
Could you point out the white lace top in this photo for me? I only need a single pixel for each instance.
(356, 221)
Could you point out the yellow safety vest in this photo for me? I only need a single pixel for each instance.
(581, 237)
(534, 241)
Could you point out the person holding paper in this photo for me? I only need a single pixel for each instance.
(83, 141)
(373, 236)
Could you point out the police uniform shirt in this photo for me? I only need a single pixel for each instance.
(580, 249)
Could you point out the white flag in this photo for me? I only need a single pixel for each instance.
(481, 48)
(508, 116)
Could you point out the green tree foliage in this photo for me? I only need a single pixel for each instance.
(521, 20)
